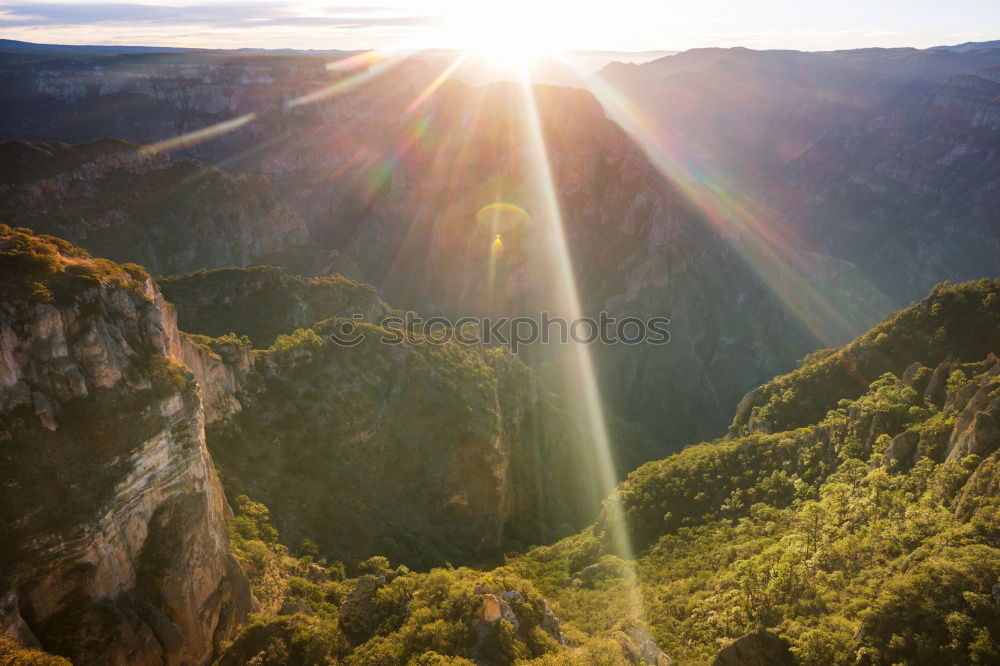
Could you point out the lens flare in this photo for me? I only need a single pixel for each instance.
(503, 216)
(198, 136)
(367, 67)
(436, 83)
(360, 69)
(496, 250)
(580, 374)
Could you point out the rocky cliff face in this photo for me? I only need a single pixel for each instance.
(171, 216)
(116, 549)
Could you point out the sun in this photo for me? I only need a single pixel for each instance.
(509, 34)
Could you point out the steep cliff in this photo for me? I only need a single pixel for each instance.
(171, 216)
(400, 444)
(116, 550)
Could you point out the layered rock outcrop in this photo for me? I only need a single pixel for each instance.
(115, 548)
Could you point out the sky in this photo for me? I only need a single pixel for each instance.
(535, 25)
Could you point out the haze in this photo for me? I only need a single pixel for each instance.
(627, 25)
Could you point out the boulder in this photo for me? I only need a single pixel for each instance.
(760, 648)
(358, 614)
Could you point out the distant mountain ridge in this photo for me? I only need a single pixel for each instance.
(14, 46)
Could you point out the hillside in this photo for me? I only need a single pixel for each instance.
(864, 530)
(882, 157)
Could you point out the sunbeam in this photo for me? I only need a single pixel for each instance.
(436, 83)
(191, 139)
(582, 378)
(367, 65)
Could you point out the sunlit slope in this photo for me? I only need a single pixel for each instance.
(262, 302)
(863, 526)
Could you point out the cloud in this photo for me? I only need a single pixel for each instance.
(219, 15)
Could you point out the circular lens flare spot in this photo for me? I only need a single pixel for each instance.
(502, 216)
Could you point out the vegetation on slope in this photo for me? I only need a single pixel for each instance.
(46, 269)
(13, 653)
(954, 321)
(869, 537)
(421, 451)
(313, 613)
(413, 448)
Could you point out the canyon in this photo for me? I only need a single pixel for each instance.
(196, 471)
